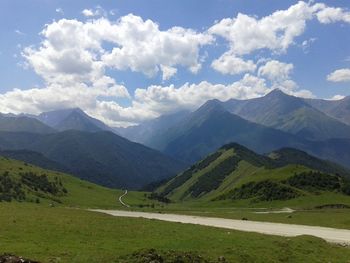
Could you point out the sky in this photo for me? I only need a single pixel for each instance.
(127, 61)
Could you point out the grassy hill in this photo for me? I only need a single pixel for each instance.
(23, 182)
(235, 174)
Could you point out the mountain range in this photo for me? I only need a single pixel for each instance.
(262, 124)
(70, 140)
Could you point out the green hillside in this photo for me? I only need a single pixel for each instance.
(23, 182)
(236, 174)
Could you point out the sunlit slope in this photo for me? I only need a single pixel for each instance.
(236, 173)
(23, 182)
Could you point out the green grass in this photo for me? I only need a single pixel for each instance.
(80, 193)
(61, 234)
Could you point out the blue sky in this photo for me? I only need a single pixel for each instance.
(306, 53)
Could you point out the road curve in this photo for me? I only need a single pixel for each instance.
(332, 235)
(121, 199)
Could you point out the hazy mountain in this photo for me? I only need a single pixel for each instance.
(237, 173)
(338, 109)
(72, 119)
(101, 157)
(290, 114)
(13, 123)
(148, 132)
(211, 126)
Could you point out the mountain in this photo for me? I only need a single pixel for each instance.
(290, 114)
(212, 126)
(100, 157)
(237, 173)
(12, 123)
(338, 109)
(148, 132)
(72, 119)
(31, 157)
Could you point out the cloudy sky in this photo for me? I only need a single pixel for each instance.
(126, 61)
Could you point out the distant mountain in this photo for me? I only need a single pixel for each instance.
(236, 173)
(338, 109)
(13, 123)
(72, 119)
(148, 132)
(100, 157)
(290, 114)
(212, 126)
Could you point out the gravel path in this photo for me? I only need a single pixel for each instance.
(332, 235)
(121, 199)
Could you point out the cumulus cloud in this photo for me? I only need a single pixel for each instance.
(72, 48)
(275, 33)
(74, 57)
(339, 75)
(275, 70)
(228, 63)
(331, 14)
(143, 47)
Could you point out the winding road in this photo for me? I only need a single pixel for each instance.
(332, 235)
(121, 199)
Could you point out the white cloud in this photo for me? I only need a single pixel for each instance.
(331, 15)
(340, 75)
(74, 56)
(73, 50)
(306, 44)
(18, 32)
(228, 63)
(279, 75)
(59, 10)
(275, 70)
(90, 12)
(337, 97)
(168, 72)
(275, 32)
(143, 47)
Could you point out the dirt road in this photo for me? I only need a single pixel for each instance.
(329, 234)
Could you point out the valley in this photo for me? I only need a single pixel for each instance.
(75, 180)
(172, 131)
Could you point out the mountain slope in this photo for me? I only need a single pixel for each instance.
(290, 114)
(235, 172)
(28, 183)
(100, 157)
(338, 109)
(34, 158)
(211, 126)
(148, 132)
(23, 124)
(72, 119)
